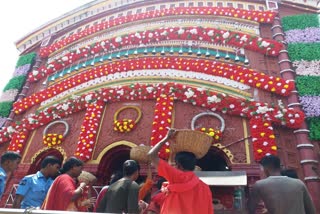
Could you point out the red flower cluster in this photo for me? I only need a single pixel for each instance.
(211, 35)
(162, 120)
(89, 128)
(258, 16)
(263, 138)
(230, 71)
(18, 141)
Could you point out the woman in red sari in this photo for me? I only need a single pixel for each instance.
(64, 192)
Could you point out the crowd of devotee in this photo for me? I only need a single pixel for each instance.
(177, 189)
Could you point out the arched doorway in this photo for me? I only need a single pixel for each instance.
(36, 164)
(214, 160)
(112, 161)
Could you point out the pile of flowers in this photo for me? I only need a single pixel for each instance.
(263, 138)
(161, 121)
(258, 16)
(125, 125)
(215, 134)
(52, 139)
(18, 141)
(234, 72)
(89, 129)
(204, 34)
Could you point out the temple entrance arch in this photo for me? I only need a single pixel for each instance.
(214, 160)
(36, 160)
(112, 160)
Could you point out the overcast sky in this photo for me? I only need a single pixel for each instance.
(18, 18)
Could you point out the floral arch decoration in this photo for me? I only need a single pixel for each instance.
(214, 133)
(126, 125)
(226, 151)
(54, 139)
(60, 149)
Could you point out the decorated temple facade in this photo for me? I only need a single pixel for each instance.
(112, 75)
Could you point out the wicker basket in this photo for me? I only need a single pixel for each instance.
(196, 142)
(87, 177)
(140, 154)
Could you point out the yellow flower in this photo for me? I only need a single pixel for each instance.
(273, 147)
(262, 134)
(167, 150)
(259, 150)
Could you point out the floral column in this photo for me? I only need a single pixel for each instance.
(89, 128)
(162, 120)
(263, 138)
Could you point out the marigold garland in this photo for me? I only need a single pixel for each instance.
(215, 134)
(258, 16)
(52, 139)
(126, 125)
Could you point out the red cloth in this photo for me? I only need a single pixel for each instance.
(156, 202)
(60, 193)
(100, 197)
(186, 193)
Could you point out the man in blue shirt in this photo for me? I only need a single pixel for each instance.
(33, 189)
(9, 162)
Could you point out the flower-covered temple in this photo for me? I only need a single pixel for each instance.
(111, 75)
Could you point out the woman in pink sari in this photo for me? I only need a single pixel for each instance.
(63, 193)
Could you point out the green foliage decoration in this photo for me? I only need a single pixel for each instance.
(301, 21)
(314, 127)
(5, 108)
(26, 59)
(15, 83)
(304, 51)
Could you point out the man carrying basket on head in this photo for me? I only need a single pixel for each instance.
(185, 192)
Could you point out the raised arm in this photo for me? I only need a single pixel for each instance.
(153, 153)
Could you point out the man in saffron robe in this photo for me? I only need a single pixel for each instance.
(185, 192)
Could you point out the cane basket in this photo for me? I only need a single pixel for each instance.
(140, 154)
(196, 142)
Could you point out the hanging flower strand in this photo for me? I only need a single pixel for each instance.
(162, 120)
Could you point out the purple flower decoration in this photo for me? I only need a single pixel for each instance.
(22, 70)
(2, 121)
(307, 68)
(309, 35)
(310, 105)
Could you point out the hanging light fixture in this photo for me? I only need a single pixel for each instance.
(118, 55)
(127, 54)
(101, 59)
(162, 51)
(180, 51)
(207, 53)
(217, 55)
(154, 51)
(135, 52)
(190, 50)
(145, 51)
(110, 57)
(246, 61)
(227, 57)
(171, 50)
(199, 52)
(236, 58)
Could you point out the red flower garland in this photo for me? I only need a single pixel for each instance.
(162, 120)
(230, 71)
(263, 138)
(261, 112)
(89, 128)
(258, 16)
(211, 35)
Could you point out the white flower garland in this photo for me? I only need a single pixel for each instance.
(164, 73)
